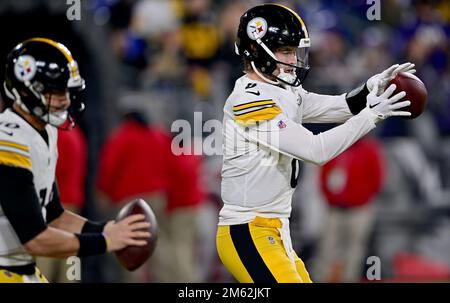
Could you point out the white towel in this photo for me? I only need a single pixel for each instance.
(286, 238)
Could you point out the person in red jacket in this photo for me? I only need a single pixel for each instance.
(350, 183)
(133, 161)
(71, 169)
(137, 161)
(185, 197)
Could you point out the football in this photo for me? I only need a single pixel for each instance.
(416, 92)
(132, 257)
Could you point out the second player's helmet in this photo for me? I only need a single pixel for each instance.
(38, 66)
(265, 28)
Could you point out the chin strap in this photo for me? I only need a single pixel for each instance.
(261, 75)
(288, 77)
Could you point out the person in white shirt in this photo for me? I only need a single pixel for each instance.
(42, 84)
(264, 139)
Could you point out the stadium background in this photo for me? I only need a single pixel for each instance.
(169, 59)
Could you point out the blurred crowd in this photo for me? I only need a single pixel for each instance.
(148, 63)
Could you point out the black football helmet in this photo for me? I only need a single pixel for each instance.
(38, 66)
(265, 28)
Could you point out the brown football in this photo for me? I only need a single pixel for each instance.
(416, 92)
(132, 257)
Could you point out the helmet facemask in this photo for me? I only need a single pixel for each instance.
(58, 117)
(65, 119)
(289, 74)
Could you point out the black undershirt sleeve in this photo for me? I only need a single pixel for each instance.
(54, 207)
(20, 203)
(357, 99)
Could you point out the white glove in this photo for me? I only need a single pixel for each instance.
(385, 106)
(387, 75)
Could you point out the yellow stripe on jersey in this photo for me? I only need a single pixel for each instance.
(14, 159)
(264, 114)
(14, 144)
(252, 104)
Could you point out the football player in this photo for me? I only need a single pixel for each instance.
(43, 84)
(264, 139)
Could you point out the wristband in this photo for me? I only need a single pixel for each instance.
(93, 227)
(357, 99)
(91, 244)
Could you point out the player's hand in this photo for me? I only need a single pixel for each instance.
(386, 105)
(127, 232)
(387, 75)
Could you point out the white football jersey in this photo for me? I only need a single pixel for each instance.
(22, 146)
(259, 178)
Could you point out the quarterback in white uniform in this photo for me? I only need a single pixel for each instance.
(264, 139)
(42, 83)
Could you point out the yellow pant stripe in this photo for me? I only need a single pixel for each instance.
(265, 237)
(11, 277)
(270, 247)
(229, 256)
(301, 269)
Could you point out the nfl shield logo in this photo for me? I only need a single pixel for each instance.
(281, 124)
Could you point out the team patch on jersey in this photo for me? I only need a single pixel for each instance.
(14, 154)
(255, 111)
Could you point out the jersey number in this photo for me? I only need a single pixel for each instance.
(295, 164)
(42, 196)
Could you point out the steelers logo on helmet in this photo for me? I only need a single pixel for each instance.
(257, 28)
(38, 66)
(25, 68)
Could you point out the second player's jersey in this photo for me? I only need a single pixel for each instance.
(22, 146)
(258, 179)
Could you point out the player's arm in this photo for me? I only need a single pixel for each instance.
(295, 140)
(21, 206)
(281, 134)
(319, 108)
(60, 218)
(56, 243)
